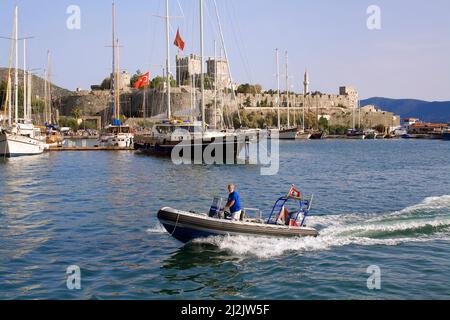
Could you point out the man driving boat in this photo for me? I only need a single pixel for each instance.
(234, 203)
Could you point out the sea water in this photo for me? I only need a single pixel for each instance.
(382, 204)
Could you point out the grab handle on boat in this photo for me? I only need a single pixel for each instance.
(310, 202)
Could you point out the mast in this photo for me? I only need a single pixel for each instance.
(16, 71)
(215, 85)
(25, 95)
(227, 60)
(305, 92)
(49, 87)
(278, 88)
(169, 111)
(287, 91)
(118, 81)
(8, 102)
(113, 74)
(202, 76)
(359, 114)
(45, 97)
(29, 88)
(354, 120)
(303, 115)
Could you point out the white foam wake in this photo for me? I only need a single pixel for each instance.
(427, 221)
(156, 229)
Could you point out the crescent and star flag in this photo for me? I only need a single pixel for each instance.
(143, 81)
(294, 192)
(179, 41)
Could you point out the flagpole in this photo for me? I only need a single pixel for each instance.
(143, 105)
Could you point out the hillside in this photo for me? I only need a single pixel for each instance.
(37, 84)
(424, 110)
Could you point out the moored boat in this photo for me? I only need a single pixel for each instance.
(186, 138)
(355, 134)
(370, 134)
(15, 144)
(317, 135)
(288, 133)
(187, 226)
(120, 136)
(446, 135)
(303, 136)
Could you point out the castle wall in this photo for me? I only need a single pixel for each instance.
(338, 107)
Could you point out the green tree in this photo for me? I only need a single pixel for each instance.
(106, 84)
(248, 102)
(77, 113)
(249, 89)
(157, 82)
(135, 77)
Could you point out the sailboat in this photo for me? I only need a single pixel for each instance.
(116, 134)
(170, 133)
(354, 133)
(288, 132)
(18, 137)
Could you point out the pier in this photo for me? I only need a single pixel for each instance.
(93, 148)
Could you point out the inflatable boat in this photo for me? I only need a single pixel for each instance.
(287, 220)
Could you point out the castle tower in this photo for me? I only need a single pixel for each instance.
(306, 84)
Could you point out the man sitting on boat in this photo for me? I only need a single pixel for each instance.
(234, 203)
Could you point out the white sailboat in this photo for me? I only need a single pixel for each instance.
(19, 137)
(116, 134)
(284, 133)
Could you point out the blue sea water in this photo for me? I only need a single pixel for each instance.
(383, 203)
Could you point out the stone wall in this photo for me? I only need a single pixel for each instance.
(337, 107)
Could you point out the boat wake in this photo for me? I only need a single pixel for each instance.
(156, 229)
(427, 221)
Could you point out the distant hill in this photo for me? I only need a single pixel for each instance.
(37, 85)
(424, 110)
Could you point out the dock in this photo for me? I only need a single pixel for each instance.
(94, 148)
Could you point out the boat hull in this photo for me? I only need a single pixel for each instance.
(317, 136)
(356, 137)
(186, 227)
(288, 134)
(14, 145)
(446, 136)
(230, 149)
(118, 141)
(303, 136)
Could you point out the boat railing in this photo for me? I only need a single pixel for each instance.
(304, 204)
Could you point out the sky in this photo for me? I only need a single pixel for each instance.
(409, 57)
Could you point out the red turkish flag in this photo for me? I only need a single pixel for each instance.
(142, 81)
(179, 41)
(294, 193)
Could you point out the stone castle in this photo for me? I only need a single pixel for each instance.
(338, 109)
(188, 71)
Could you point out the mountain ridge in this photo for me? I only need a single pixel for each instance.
(429, 111)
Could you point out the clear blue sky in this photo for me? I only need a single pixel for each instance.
(408, 58)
